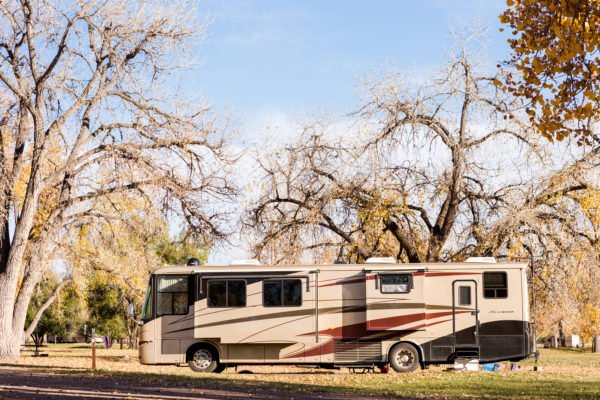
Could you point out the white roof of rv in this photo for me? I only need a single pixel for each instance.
(380, 260)
(481, 260)
(245, 262)
(183, 269)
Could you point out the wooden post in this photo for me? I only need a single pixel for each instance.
(534, 304)
(93, 354)
(93, 349)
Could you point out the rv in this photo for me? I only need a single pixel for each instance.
(338, 315)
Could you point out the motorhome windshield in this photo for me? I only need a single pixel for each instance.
(147, 309)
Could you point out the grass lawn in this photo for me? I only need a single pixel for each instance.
(567, 374)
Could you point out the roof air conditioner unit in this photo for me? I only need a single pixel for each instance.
(481, 260)
(245, 262)
(380, 260)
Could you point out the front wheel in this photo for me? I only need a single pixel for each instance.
(205, 360)
(404, 357)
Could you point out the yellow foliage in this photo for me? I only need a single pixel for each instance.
(590, 321)
(590, 202)
(556, 46)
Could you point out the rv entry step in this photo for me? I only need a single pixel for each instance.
(466, 352)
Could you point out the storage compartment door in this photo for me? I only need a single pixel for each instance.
(394, 300)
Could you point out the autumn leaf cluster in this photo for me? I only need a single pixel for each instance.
(556, 64)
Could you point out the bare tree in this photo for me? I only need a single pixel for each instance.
(433, 172)
(85, 114)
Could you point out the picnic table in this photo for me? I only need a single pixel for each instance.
(34, 347)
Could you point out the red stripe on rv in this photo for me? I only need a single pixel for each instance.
(430, 324)
(362, 329)
(328, 347)
(392, 322)
(325, 348)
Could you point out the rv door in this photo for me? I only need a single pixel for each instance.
(465, 313)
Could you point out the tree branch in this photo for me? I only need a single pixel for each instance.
(44, 307)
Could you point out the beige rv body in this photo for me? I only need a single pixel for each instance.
(345, 316)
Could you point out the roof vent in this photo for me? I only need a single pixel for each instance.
(481, 260)
(380, 260)
(193, 262)
(245, 262)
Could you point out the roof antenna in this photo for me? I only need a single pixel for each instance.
(193, 262)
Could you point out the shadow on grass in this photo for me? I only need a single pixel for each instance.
(82, 382)
(476, 385)
(42, 368)
(273, 373)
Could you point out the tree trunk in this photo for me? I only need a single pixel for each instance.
(14, 302)
(30, 280)
(561, 335)
(406, 242)
(11, 335)
(132, 333)
(596, 344)
(9, 345)
(43, 308)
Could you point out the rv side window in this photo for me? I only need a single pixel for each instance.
(464, 295)
(282, 293)
(227, 293)
(495, 285)
(172, 295)
(396, 283)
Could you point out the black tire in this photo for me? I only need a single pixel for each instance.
(204, 359)
(404, 357)
(220, 368)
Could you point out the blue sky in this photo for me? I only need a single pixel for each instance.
(268, 63)
(286, 56)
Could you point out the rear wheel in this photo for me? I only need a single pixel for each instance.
(404, 357)
(205, 359)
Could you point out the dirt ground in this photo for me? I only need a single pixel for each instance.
(25, 383)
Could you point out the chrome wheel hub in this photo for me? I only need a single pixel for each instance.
(405, 358)
(202, 358)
